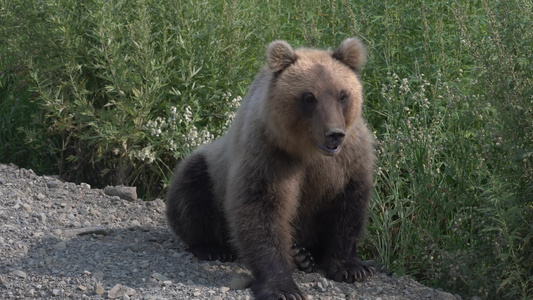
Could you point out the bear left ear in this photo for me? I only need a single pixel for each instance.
(280, 55)
(352, 53)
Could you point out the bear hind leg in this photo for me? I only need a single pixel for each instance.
(193, 213)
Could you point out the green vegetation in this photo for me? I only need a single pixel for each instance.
(116, 92)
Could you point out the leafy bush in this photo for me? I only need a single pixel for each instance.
(117, 92)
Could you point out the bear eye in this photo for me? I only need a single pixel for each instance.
(344, 97)
(308, 98)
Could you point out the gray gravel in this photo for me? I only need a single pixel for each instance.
(66, 241)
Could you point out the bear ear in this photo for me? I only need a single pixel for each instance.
(280, 55)
(352, 53)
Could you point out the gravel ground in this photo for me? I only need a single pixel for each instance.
(66, 241)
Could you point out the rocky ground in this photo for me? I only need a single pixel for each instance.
(66, 241)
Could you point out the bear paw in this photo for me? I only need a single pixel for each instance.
(303, 259)
(349, 271)
(210, 253)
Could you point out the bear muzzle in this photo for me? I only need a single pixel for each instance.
(333, 141)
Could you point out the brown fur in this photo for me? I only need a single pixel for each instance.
(295, 167)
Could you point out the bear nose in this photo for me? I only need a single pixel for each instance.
(335, 135)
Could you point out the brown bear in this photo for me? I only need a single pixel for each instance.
(295, 168)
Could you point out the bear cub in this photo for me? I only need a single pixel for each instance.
(288, 185)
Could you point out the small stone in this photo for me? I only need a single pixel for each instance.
(57, 232)
(41, 217)
(167, 283)
(440, 295)
(324, 282)
(20, 274)
(82, 288)
(86, 230)
(2, 181)
(217, 298)
(98, 275)
(124, 192)
(99, 289)
(26, 207)
(240, 281)
(135, 225)
(196, 294)
(56, 292)
(40, 196)
(52, 184)
(224, 289)
(144, 264)
(60, 246)
(4, 283)
(159, 277)
(309, 278)
(86, 186)
(119, 291)
(320, 287)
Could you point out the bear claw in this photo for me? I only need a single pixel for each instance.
(350, 274)
(213, 253)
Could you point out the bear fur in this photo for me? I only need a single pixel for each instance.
(295, 168)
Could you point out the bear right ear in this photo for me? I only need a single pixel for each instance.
(280, 55)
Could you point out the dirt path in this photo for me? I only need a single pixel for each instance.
(66, 241)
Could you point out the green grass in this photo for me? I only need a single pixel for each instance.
(116, 92)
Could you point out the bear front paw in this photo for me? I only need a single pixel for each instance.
(349, 272)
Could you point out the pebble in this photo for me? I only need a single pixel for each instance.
(41, 217)
(20, 274)
(320, 287)
(240, 281)
(159, 277)
(87, 230)
(323, 281)
(124, 192)
(60, 246)
(3, 282)
(98, 275)
(52, 184)
(444, 296)
(119, 291)
(99, 289)
(309, 278)
(135, 224)
(26, 207)
(40, 196)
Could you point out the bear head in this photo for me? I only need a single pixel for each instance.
(314, 97)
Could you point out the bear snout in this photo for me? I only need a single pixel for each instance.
(333, 141)
(335, 136)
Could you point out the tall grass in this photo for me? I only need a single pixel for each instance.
(116, 92)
